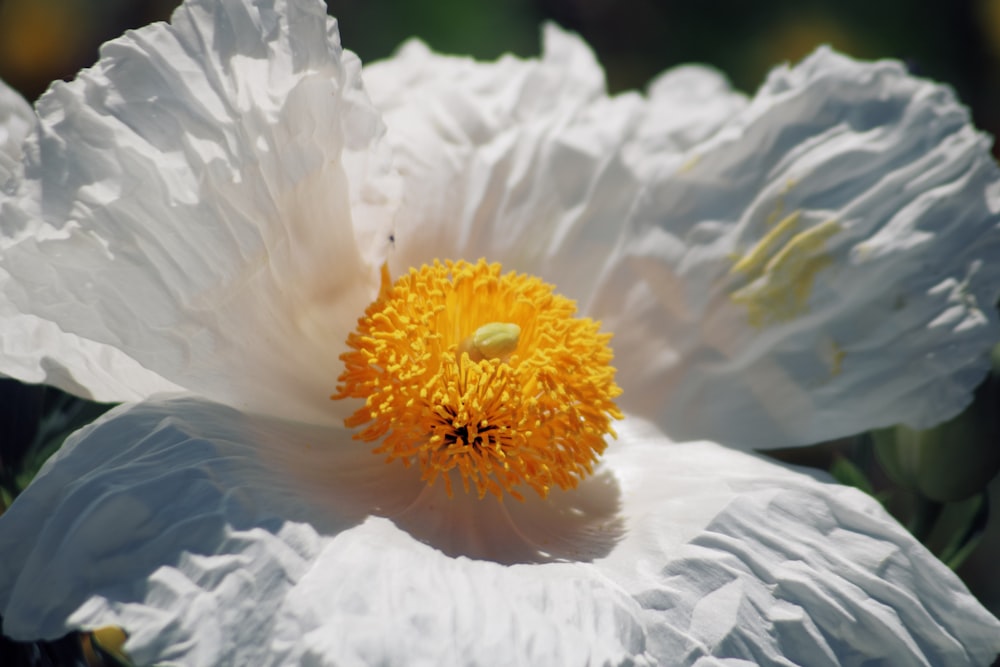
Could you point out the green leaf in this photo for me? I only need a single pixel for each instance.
(971, 518)
(848, 473)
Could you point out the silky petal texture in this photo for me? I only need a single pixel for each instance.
(198, 529)
(518, 161)
(33, 349)
(822, 265)
(185, 202)
(16, 120)
(881, 314)
(685, 106)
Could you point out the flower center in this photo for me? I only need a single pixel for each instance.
(464, 369)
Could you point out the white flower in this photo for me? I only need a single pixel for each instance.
(206, 211)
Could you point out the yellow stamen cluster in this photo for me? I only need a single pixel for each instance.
(464, 369)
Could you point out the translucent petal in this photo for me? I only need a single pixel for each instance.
(34, 350)
(821, 265)
(517, 161)
(31, 348)
(685, 106)
(786, 568)
(16, 120)
(203, 532)
(185, 201)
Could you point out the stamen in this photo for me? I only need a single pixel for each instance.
(488, 377)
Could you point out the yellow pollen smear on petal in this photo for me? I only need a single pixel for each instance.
(834, 356)
(753, 262)
(465, 369)
(782, 267)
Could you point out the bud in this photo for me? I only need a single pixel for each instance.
(952, 461)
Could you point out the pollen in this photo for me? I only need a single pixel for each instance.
(485, 377)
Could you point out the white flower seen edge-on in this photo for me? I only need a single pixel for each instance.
(205, 213)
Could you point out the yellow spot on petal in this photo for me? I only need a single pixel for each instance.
(488, 376)
(833, 355)
(690, 163)
(752, 263)
(781, 269)
(779, 204)
(775, 215)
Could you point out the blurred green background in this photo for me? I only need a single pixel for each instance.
(955, 41)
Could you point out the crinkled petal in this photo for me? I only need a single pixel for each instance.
(721, 299)
(16, 120)
(517, 161)
(523, 161)
(181, 522)
(33, 349)
(685, 106)
(822, 265)
(185, 201)
(785, 568)
(190, 525)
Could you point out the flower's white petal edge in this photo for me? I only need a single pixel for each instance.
(36, 350)
(16, 120)
(518, 161)
(685, 106)
(528, 162)
(164, 518)
(170, 503)
(792, 569)
(185, 202)
(822, 265)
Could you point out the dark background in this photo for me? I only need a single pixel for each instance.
(955, 41)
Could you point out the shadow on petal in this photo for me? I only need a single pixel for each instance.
(184, 483)
(346, 480)
(582, 524)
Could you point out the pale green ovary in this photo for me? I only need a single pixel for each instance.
(496, 340)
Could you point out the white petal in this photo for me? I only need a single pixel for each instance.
(686, 105)
(154, 493)
(33, 349)
(192, 535)
(181, 522)
(16, 120)
(36, 351)
(517, 161)
(822, 265)
(186, 203)
(779, 567)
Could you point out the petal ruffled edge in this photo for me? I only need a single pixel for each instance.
(184, 522)
(16, 121)
(185, 202)
(171, 520)
(749, 559)
(820, 266)
(37, 351)
(519, 161)
(685, 106)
